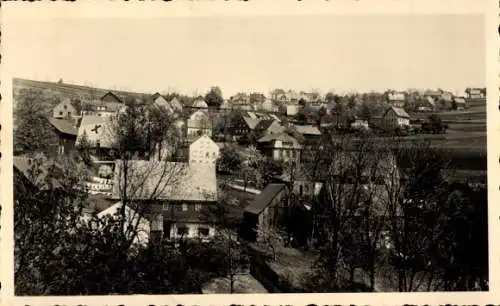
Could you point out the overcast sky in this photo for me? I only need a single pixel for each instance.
(187, 54)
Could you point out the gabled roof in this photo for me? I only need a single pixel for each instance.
(200, 104)
(280, 136)
(307, 130)
(399, 112)
(396, 96)
(96, 128)
(109, 93)
(24, 165)
(63, 126)
(166, 181)
(251, 122)
(269, 126)
(264, 199)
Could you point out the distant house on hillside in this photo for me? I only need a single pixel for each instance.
(395, 117)
(426, 104)
(199, 123)
(291, 109)
(459, 103)
(65, 110)
(447, 97)
(177, 196)
(110, 97)
(476, 93)
(200, 103)
(396, 99)
(101, 109)
(266, 211)
(269, 106)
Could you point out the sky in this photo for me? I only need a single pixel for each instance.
(254, 53)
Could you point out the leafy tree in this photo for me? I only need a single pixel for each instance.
(47, 209)
(230, 159)
(214, 97)
(32, 130)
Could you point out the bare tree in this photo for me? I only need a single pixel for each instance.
(139, 181)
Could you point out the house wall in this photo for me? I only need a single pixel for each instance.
(199, 122)
(64, 110)
(192, 230)
(392, 121)
(203, 150)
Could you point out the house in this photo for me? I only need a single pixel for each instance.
(434, 94)
(160, 101)
(265, 211)
(177, 196)
(65, 110)
(199, 123)
(280, 146)
(359, 124)
(396, 99)
(304, 186)
(97, 134)
(101, 109)
(200, 103)
(291, 109)
(176, 104)
(426, 104)
(395, 117)
(476, 93)
(198, 149)
(459, 103)
(242, 125)
(110, 97)
(36, 174)
(268, 126)
(133, 222)
(310, 133)
(447, 97)
(269, 106)
(66, 132)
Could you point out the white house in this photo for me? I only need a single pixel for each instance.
(177, 193)
(396, 117)
(97, 131)
(203, 150)
(199, 123)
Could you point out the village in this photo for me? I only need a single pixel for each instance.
(265, 176)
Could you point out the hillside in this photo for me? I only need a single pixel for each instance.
(63, 90)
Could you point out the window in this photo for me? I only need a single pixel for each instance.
(166, 207)
(69, 114)
(60, 113)
(197, 207)
(300, 189)
(182, 231)
(65, 107)
(184, 207)
(203, 231)
(207, 155)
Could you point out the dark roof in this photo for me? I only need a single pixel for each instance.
(399, 112)
(264, 199)
(109, 93)
(63, 126)
(24, 165)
